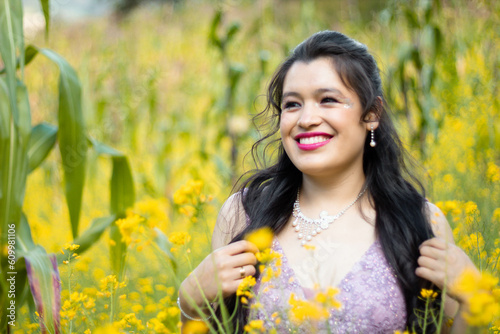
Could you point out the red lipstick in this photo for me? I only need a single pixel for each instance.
(313, 145)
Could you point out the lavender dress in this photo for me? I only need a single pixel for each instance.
(371, 299)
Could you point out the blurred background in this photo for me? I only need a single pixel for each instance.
(174, 85)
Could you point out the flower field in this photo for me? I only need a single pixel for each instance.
(174, 89)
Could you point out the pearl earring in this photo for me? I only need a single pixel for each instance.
(372, 141)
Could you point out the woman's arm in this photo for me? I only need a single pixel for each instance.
(221, 269)
(442, 262)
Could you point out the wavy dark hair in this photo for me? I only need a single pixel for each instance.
(396, 194)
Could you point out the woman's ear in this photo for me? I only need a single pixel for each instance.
(371, 120)
(373, 117)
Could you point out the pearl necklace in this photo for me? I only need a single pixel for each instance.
(308, 228)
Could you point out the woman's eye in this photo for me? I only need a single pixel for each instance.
(330, 100)
(291, 105)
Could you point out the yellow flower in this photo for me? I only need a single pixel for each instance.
(179, 238)
(188, 193)
(255, 326)
(496, 215)
(71, 247)
(303, 310)
(128, 225)
(195, 327)
(267, 255)
(327, 299)
(493, 172)
(431, 294)
(309, 247)
(482, 295)
(245, 287)
(262, 238)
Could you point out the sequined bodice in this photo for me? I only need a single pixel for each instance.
(371, 299)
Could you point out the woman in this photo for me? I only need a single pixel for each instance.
(338, 153)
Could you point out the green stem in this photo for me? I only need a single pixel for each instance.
(69, 290)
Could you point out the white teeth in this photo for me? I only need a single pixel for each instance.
(313, 140)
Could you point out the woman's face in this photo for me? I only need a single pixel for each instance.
(321, 127)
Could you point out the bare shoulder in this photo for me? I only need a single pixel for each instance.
(439, 223)
(230, 221)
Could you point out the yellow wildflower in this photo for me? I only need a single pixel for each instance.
(179, 238)
(255, 326)
(128, 225)
(493, 172)
(267, 256)
(428, 294)
(262, 238)
(303, 310)
(482, 294)
(195, 327)
(245, 287)
(188, 193)
(71, 247)
(496, 215)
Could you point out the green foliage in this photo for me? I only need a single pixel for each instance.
(23, 149)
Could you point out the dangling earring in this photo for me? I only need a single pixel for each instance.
(372, 141)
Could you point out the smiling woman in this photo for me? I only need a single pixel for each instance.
(321, 121)
(373, 239)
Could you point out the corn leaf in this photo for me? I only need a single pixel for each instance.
(90, 236)
(42, 140)
(164, 245)
(14, 162)
(122, 197)
(46, 14)
(72, 140)
(11, 42)
(29, 55)
(44, 280)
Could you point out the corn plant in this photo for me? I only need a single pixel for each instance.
(22, 149)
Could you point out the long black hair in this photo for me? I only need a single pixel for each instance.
(397, 196)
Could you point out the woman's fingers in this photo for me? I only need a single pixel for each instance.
(241, 260)
(437, 243)
(240, 247)
(430, 275)
(428, 262)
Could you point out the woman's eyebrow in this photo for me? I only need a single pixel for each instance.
(316, 92)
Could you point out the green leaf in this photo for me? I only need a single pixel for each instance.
(231, 31)
(411, 18)
(42, 140)
(164, 245)
(43, 275)
(118, 251)
(14, 163)
(72, 139)
(29, 55)
(11, 42)
(122, 197)
(46, 15)
(90, 236)
(122, 186)
(212, 36)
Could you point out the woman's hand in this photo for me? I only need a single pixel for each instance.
(442, 263)
(223, 269)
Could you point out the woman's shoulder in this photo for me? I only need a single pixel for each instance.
(438, 222)
(231, 220)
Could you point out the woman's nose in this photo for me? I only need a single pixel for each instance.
(309, 115)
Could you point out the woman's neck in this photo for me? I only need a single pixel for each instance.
(333, 193)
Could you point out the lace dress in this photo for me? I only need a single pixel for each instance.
(371, 299)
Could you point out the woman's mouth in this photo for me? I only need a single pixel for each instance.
(312, 141)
